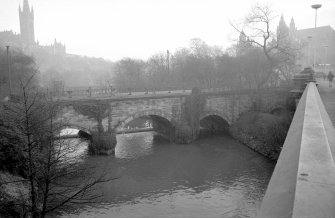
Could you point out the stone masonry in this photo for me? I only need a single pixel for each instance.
(168, 111)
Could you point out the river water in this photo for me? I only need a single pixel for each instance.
(212, 177)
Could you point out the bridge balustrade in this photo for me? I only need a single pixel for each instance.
(83, 92)
(89, 91)
(303, 181)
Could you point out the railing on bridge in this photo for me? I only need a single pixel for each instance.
(104, 91)
(89, 91)
(303, 182)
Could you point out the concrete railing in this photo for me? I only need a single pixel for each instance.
(303, 182)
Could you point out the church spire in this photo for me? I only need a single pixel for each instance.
(293, 28)
(282, 29)
(282, 21)
(27, 24)
(26, 6)
(292, 24)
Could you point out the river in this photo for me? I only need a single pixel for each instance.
(213, 177)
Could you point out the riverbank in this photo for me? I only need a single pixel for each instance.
(264, 133)
(14, 194)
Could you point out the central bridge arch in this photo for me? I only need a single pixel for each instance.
(79, 128)
(162, 121)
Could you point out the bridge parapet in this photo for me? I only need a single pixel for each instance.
(303, 182)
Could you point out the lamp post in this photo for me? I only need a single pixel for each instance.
(8, 63)
(325, 61)
(309, 50)
(168, 69)
(168, 61)
(316, 7)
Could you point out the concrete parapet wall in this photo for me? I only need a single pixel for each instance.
(303, 182)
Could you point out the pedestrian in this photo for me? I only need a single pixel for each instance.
(330, 78)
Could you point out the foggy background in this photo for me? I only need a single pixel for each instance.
(114, 29)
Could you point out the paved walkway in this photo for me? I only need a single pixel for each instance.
(328, 97)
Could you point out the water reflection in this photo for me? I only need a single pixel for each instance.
(134, 145)
(212, 177)
(68, 131)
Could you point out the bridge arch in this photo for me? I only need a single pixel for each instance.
(215, 122)
(160, 116)
(218, 114)
(82, 131)
(73, 126)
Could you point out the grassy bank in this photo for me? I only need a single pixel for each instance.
(262, 132)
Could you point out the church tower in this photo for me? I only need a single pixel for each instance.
(27, 24)
(243, 45)
(293, 29)
(242, 38)
(282, 30)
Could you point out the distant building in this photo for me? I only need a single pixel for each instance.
(243, 44)
(26, 39)
(318, 44)
(320, 47)
(283, 30)
(58, 68)
(27, 24)
(293, 29)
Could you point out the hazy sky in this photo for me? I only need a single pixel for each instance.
(113, 29)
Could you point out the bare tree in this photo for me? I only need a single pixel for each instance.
(128, 73)
(277, 48)
(156, 72)
(55, 175)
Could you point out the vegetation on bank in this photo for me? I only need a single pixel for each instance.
(38, 174)
(14, 192)
(263, 132)
(50, 173)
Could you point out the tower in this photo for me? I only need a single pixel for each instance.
(242, 45)
(282, 30)
(27, 24)
(242, 38)
(293, 29)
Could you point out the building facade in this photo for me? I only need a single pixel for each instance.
(319, 49)
(26, 39)
(317, 45)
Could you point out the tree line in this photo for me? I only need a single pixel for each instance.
(261, 58)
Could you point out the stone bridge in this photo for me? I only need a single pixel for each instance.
(178, 116)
